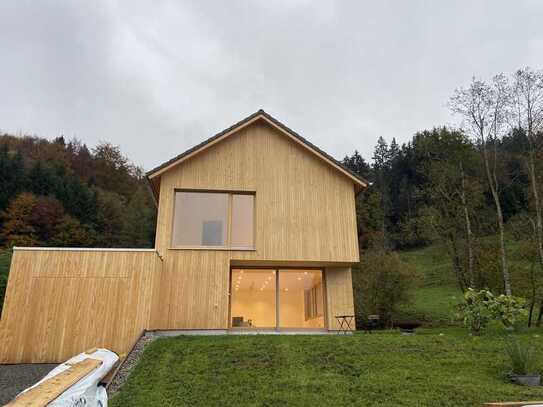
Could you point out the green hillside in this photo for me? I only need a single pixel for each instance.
(436, 296)
(435, 299)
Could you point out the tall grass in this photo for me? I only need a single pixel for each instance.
(523, 356)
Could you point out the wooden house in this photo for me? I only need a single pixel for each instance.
(256, 230)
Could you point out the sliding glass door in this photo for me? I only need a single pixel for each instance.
(277, 298)
(301, 299)
(254, 298)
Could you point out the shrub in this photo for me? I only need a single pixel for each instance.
(481, 307)
(508, 309)
(476, 311)
(523, 356)
(382, 283)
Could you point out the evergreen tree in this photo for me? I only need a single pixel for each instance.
(12, 177)
(381, 167)
(357, 164)
(138, 230)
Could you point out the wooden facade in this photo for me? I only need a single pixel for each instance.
(61, 302)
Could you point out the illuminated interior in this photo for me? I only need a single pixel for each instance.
(285, 298)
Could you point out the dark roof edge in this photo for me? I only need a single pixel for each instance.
(241, 123)
(313, 146)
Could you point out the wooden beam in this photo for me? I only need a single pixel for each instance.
(53, 387)
(512, 403)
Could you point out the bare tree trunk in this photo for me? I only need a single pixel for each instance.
(532, 302)
(492, 181)
(457, 264)
(537, 203)
(469, 234)
(540, 315)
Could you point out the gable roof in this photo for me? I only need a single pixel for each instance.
(259, 115)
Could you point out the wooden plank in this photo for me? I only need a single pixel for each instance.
(512, 403)
(53, 387)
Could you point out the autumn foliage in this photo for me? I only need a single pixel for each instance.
(54, 193)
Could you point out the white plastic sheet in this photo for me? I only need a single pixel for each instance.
(86, 392)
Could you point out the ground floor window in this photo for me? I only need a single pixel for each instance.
(277, 298)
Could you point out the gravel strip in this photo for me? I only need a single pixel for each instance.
(130, 362)
(15, 378)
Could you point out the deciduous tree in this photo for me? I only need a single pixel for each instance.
(483, 108)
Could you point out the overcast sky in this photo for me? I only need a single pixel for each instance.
(157, 77)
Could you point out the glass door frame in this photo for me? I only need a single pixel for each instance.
(277, 327)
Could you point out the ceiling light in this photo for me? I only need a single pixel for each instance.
(286, 289)
(299, 278)
(305, 272)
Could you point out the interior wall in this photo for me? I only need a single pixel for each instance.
(259, 306)
(291, 309)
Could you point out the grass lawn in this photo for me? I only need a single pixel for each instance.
(381, 369)
(433, 265)
(435, 306)
(435, 299)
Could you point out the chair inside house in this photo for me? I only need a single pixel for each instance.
(238, 322)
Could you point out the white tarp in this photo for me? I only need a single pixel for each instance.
(86, 391)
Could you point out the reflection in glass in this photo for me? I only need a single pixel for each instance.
(242, 221)
(200, 219)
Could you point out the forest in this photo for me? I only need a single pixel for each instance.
(475, 189)
(58, 193)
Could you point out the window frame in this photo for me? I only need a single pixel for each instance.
(227, 246)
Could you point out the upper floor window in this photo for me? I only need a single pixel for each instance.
(213, 219)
